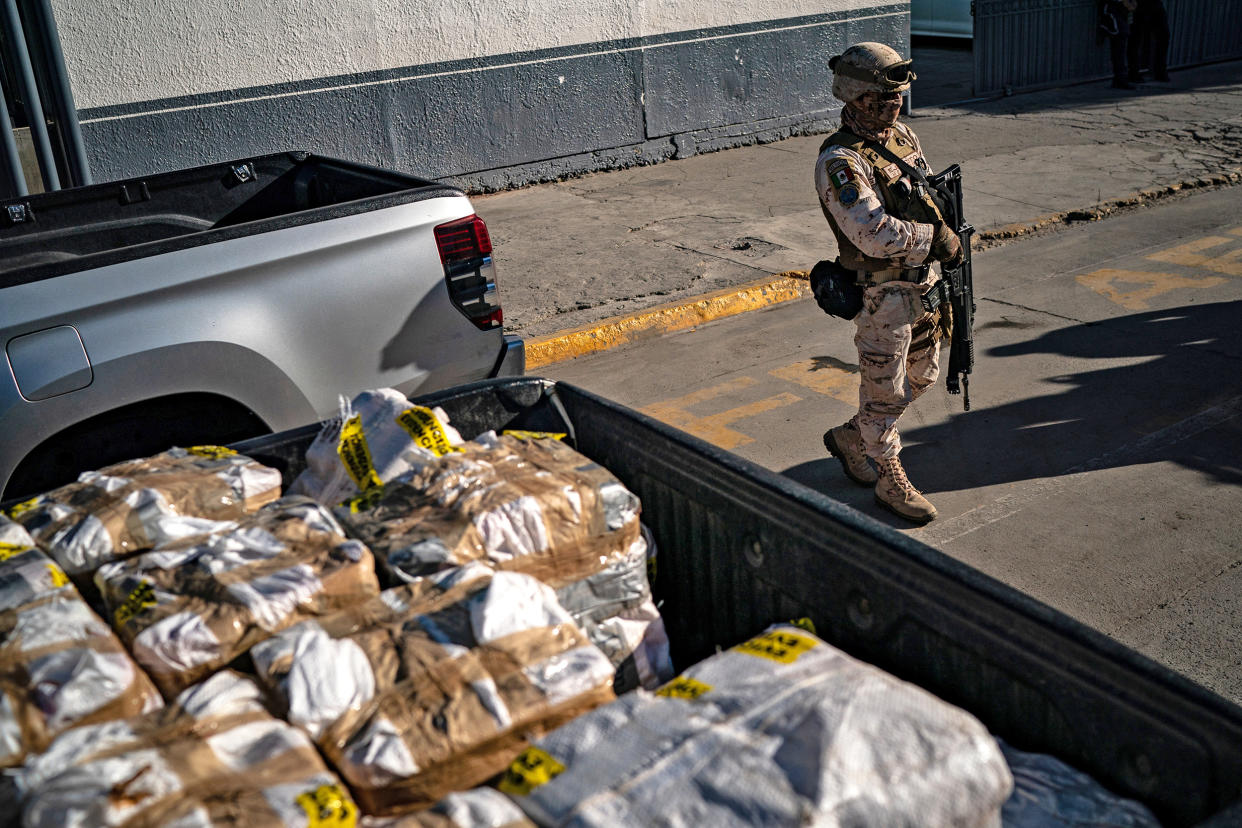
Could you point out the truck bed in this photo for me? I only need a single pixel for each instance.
(70, 230)
(740, 547)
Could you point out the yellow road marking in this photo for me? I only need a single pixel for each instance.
(714, 428)
(1106, 283)
(823, 378)
(667, 318)
(1190, 255)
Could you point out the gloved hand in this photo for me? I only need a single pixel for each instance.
(946, 248)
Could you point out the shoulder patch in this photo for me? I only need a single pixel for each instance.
(840, 173)
(848, 195)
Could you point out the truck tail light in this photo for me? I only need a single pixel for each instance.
(466, 251)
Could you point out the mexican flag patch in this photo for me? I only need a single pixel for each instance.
(840, 173)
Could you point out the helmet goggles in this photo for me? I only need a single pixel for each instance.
(892, 78)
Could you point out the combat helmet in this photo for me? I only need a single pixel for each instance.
(869, 67)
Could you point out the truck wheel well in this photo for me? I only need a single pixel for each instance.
(134, 430)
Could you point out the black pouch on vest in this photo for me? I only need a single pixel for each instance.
(836, 289)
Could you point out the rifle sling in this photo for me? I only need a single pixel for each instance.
(913, 172)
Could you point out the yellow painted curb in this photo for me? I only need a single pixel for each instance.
(619, 330)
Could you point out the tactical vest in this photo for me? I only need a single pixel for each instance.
(915, 205)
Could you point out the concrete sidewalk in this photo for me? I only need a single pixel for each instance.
(593, 262)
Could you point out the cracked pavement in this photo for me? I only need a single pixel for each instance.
(575, 252)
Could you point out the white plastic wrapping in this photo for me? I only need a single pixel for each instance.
(214, 756)
(1047, 793)
(13, 535)
(433, 685)
(25, 572)
(191, 608)
(378, 437)
(139, 504)
(529, 505)
(475, 808)
(615, 608)
(60, 664)
(480, 808)
(781, 730)
(534, 506)
(635, 641)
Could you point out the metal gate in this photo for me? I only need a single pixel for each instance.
(1026, 44)
(36, 105)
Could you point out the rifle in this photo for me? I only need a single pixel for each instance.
(957, 283)
(957, 287)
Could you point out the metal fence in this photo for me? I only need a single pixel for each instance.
(1024, 44)
(35, 87)
(1204, 30)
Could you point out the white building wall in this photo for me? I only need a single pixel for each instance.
(461, 88)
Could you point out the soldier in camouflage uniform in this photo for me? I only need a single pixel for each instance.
(888, 232)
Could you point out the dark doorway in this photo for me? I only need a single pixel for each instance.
(946, 70)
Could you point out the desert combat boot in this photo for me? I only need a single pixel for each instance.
(894, 492)
(845, 443)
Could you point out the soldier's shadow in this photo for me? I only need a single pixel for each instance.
(1166, 367)
(1168, 393)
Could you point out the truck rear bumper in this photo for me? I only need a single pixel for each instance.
(512, 360)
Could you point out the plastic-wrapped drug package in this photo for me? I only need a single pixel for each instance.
(25, 572)
(214, 757)
(534, 506)
(1047, 793)
(476, 808)
(615, 608)
(378, 437)
(190, 608)
(128, 507)
(783, 729)
(436, 685)
(13, 536)
(61, 666)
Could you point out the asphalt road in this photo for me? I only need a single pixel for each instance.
(1100, 468)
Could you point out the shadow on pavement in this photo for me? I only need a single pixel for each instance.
(1174, 364)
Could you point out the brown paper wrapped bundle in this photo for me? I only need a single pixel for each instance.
(189, 609)
(533, 506)
(434, 686)
(140, 504)
(214, 756)
(60, 665)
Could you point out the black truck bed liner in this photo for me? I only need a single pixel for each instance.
(741, 547)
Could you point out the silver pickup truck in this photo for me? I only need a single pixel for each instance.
(230, 300)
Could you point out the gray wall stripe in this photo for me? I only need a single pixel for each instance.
(516, 118)
(480, 64)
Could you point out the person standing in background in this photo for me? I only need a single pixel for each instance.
(1115, 25)
(1150, 27)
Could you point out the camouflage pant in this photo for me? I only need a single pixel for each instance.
(892, 374)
